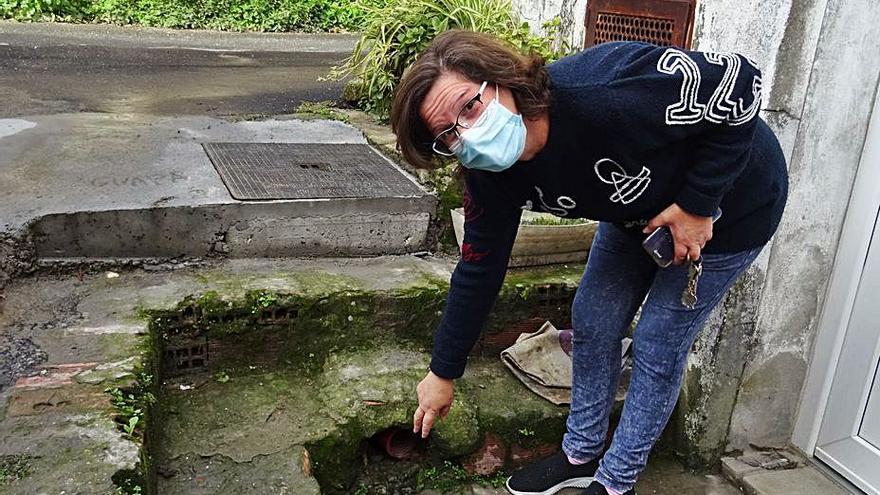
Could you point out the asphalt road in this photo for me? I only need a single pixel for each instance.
(60, 68)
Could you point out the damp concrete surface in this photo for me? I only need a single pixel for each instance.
(102, 130)
(51, 68)
(220, 431)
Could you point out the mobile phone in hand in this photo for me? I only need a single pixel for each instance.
(661, 246)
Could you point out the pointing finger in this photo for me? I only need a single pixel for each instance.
(417, 419)
(428, 423)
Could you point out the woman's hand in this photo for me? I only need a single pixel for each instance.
(690, 232)
(435, 398)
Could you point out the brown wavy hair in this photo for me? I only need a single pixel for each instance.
(477, 56)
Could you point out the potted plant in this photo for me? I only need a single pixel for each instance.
(542, 239)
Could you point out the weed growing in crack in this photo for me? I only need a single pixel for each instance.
(131, 405)
(264, 300)
(221, 377)
(496, 480)
(444, 478)
(450, 477)
(526, 432)
(324, 109)
(14, 467)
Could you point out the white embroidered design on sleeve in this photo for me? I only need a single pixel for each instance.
(565, 203)
(720, 108)
(686, 110)
(742, 115)
(627, 188)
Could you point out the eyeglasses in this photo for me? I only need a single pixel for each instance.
(449, 138)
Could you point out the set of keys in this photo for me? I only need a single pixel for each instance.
(689, 296)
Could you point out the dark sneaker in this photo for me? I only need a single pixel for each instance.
(548, 476)
(597, 488)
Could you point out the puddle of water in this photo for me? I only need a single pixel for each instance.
(9, 127)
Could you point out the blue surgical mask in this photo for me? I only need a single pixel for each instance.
(494, 142)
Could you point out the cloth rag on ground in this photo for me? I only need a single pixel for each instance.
(542, 362)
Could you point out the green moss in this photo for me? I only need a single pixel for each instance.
(309, 283)
(450, 477)
(14, 468)
(116, 346)
(459, 433)
(322, 109)
(335, 459)
(568, 275)
(129, 482)
(505, 407)
(450, 193)
(328, 347)
(446, 477)
(146, 393)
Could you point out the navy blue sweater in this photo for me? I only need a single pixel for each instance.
(633, 128)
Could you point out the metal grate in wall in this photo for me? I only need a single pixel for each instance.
(661, 22)
(619, 27)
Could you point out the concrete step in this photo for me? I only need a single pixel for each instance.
(777, 472)
(298, 325)
(99, 185)
(306, 360)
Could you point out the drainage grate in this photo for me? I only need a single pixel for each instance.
(261, 171)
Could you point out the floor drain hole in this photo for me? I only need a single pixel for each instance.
(398, 442)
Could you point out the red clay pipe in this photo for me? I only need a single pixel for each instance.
(399, 443)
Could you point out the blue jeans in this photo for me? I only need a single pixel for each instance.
(618, 276)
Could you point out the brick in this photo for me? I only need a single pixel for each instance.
(521, 455)
(489, 458)
(54, 375)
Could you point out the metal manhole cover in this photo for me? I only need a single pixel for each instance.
(260, 171)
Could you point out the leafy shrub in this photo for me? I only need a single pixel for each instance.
(45, 10)
(397, 31)
(234, 15)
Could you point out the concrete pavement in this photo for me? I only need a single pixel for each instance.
(58, 68)
(92, 184)
(100, 146)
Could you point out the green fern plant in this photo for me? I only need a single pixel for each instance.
(396, 32)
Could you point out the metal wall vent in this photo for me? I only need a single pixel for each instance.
(262, 171)
(661, 22)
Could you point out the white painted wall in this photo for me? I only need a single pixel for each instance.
(570, 12)
(825, 157)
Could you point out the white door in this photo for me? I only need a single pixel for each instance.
(849, 437)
